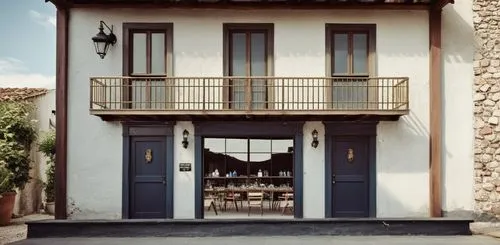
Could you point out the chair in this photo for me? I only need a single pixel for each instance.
(256, 199)
(231, 198)
(211, 199)
(287, 200)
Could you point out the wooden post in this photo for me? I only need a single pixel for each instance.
(435, 143)
(61, 111)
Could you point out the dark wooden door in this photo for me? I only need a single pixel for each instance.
(148, 178)
(350, 177)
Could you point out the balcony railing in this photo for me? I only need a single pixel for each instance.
(249, 95)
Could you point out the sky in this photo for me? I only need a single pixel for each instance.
(27, 43)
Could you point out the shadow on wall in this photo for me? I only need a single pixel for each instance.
(460, 53)
(390, 205)
(412, 136)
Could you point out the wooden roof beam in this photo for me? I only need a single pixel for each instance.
(60, 4)
(440, 4)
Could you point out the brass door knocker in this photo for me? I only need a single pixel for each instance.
(149, 155)
(350, 155)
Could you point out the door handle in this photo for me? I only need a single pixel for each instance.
(333, 179)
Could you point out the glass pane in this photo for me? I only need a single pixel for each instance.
(350, 93)
(259, 93)
(214, 161)
(237, 145)
(139, 53)
(258, 54)
(260, 145)
(258, 68)
(215, 145)
(158, 53)
(158, 94)
(340, 53)
(282, 146)
(260, 158)
(238, 54)
(139, 94)
(360, 53)
(238, 66)
(238, 93)
(235, 160)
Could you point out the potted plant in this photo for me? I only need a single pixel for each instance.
(48, 147)
(17, 133)
(7, 196)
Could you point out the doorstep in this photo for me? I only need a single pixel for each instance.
(248, 227)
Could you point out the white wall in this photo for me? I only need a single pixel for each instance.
(94, 171)
(94, 149)
(184, 181)
(314, 171)
(458, 137)
(30, 199)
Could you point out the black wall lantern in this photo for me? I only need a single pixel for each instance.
(185, 135)
(103, 40)
(315, 141)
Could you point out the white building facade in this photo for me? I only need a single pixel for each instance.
(368, 162)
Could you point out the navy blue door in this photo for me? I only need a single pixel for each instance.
(148, 178)
(350, 177)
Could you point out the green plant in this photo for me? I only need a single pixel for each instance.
(5, 183)
(48, 147)
(47, 144)
(17, 133)
(50, 184)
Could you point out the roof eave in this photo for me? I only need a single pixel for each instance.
(440, 4)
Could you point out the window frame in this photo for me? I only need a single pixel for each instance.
(370, 30)
(228, 29)
(129, 29)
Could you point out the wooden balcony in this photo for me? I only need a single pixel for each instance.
(245, 98)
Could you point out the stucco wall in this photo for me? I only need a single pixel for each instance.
(94, 146)
(30, 199)
(458, 136)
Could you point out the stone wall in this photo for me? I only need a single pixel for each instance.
(487, 108)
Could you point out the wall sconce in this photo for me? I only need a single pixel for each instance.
(315, 141)
(103, 40)
(185, 135)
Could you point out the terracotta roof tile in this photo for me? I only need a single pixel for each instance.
(16, 94)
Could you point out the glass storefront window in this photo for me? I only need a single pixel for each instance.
(243, 176)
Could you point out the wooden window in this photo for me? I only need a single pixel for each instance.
(248, 53)
(350, 52)
(148, 60)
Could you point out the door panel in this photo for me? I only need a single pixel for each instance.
(148, 178)
(350, 177)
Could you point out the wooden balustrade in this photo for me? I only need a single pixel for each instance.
(249, 95)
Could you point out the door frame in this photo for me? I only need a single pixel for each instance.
(249, 129)
(165, 129)
(368, 129)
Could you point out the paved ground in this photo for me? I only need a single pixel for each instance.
(486, 228)
(318, 240)
(17, 229)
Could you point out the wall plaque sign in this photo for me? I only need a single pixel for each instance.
(184, 167)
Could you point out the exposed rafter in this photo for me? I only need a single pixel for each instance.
(307, 4)
(440, 4)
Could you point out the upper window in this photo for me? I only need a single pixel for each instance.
(149, 48)
(147, 54)
(350, 48)
(248, 53)
(350, 52)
